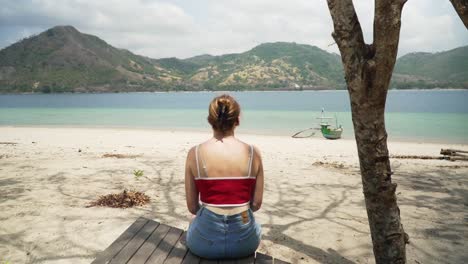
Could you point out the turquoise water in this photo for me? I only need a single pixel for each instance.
(422, 116)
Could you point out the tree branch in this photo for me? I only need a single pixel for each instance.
(461, 6)
(387, 25)
(348, 36)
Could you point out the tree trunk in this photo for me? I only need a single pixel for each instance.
(461, 6)
(368, 70)
(387, 233)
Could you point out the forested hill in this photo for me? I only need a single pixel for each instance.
(431, 70)
(62, 59)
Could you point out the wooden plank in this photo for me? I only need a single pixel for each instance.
(131, 248)
(247, 260)
(164, 248)
(191, 258)
(263, 259)
(208, 261)
(227, 261)
(279, 261)
(150, 245)
(178, 251)
(120, 242)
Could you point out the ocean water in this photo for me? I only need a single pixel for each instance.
(411, 115)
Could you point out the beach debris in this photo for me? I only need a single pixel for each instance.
(79, 150)
(416, 157)
(453, 166)
(455, 154)
(447, 154)
(124, 199)
(8, 143)
(336, 165)
(459, 158)
(119, 156)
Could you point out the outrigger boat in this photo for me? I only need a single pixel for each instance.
(328, 131)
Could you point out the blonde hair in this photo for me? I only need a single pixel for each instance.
(223, 113)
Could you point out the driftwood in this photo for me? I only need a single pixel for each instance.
(119, 156)
(8, 143)
(448, 154)
(461, 158)
(418, 157)
(453, 152)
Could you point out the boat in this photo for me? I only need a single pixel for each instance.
(328, 131)
(331, 132)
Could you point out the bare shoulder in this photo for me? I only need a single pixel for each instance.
(191, 153)
(256, 151)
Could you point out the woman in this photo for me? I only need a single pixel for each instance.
(223, 186)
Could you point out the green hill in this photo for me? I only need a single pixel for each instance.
(270, 65)
(430, 70)
(62, 59)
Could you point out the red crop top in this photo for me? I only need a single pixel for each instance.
(225, 191)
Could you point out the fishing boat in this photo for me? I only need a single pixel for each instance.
(328, 131)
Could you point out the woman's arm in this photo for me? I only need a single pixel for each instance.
(191, 192)
(258, 193)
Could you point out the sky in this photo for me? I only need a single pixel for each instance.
(186, 28)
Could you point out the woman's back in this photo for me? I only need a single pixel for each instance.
(227, 158)
(227, 180)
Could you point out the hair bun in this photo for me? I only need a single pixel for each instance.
(224, 106)
(223, 113)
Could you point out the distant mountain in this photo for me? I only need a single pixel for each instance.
(431, 70)
(62, 59)
(270, 65)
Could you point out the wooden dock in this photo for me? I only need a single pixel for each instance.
(147, 241)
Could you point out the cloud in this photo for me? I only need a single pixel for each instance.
(187, 28)
(431, 27)
(118, 22)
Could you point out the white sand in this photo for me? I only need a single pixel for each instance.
(311, 213)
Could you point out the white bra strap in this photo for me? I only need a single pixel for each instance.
(250, 160)
(196, 158)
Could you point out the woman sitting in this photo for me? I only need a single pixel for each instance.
(224, 186)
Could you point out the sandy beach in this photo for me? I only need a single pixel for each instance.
(313, 210)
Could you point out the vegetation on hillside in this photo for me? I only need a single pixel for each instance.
(62, 59)
(433, 70)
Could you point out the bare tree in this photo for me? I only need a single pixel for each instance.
(368, 70)
(461, 6)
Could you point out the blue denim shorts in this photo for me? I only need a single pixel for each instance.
(215, 236)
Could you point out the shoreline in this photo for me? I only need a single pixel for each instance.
(247, 133)
(238, 91)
